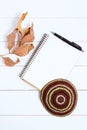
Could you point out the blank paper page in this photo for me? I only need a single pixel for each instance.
(54, 60)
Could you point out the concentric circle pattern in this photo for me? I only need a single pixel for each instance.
(59, 97)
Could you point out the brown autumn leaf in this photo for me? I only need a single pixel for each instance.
(19, 41)
(28, 35)
(10, 62)
(15, 36)
(13, 40)
(19, 27)
(23, 50)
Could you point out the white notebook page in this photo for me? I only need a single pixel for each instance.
(54, 60)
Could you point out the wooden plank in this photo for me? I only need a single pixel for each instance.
(42, 122)
(73, 29)
(25, 103)
(40, 8)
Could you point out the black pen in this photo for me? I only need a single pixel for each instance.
(73, 44)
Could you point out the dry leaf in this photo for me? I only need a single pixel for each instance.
(14, 37)
(19, 41)
(20, 21)
(10, 62)
(13, 40)
(23, 50)
(29, 35)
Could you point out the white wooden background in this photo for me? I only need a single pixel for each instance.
(20, 106)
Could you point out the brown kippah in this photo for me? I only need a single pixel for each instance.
(59, 97)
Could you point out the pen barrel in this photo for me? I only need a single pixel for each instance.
(76, 46)
(73, 44)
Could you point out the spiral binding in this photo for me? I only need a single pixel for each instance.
(34, 54)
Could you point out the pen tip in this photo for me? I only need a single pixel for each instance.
(83, 51)
(52, 32)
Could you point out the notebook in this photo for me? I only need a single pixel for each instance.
(51, 59)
